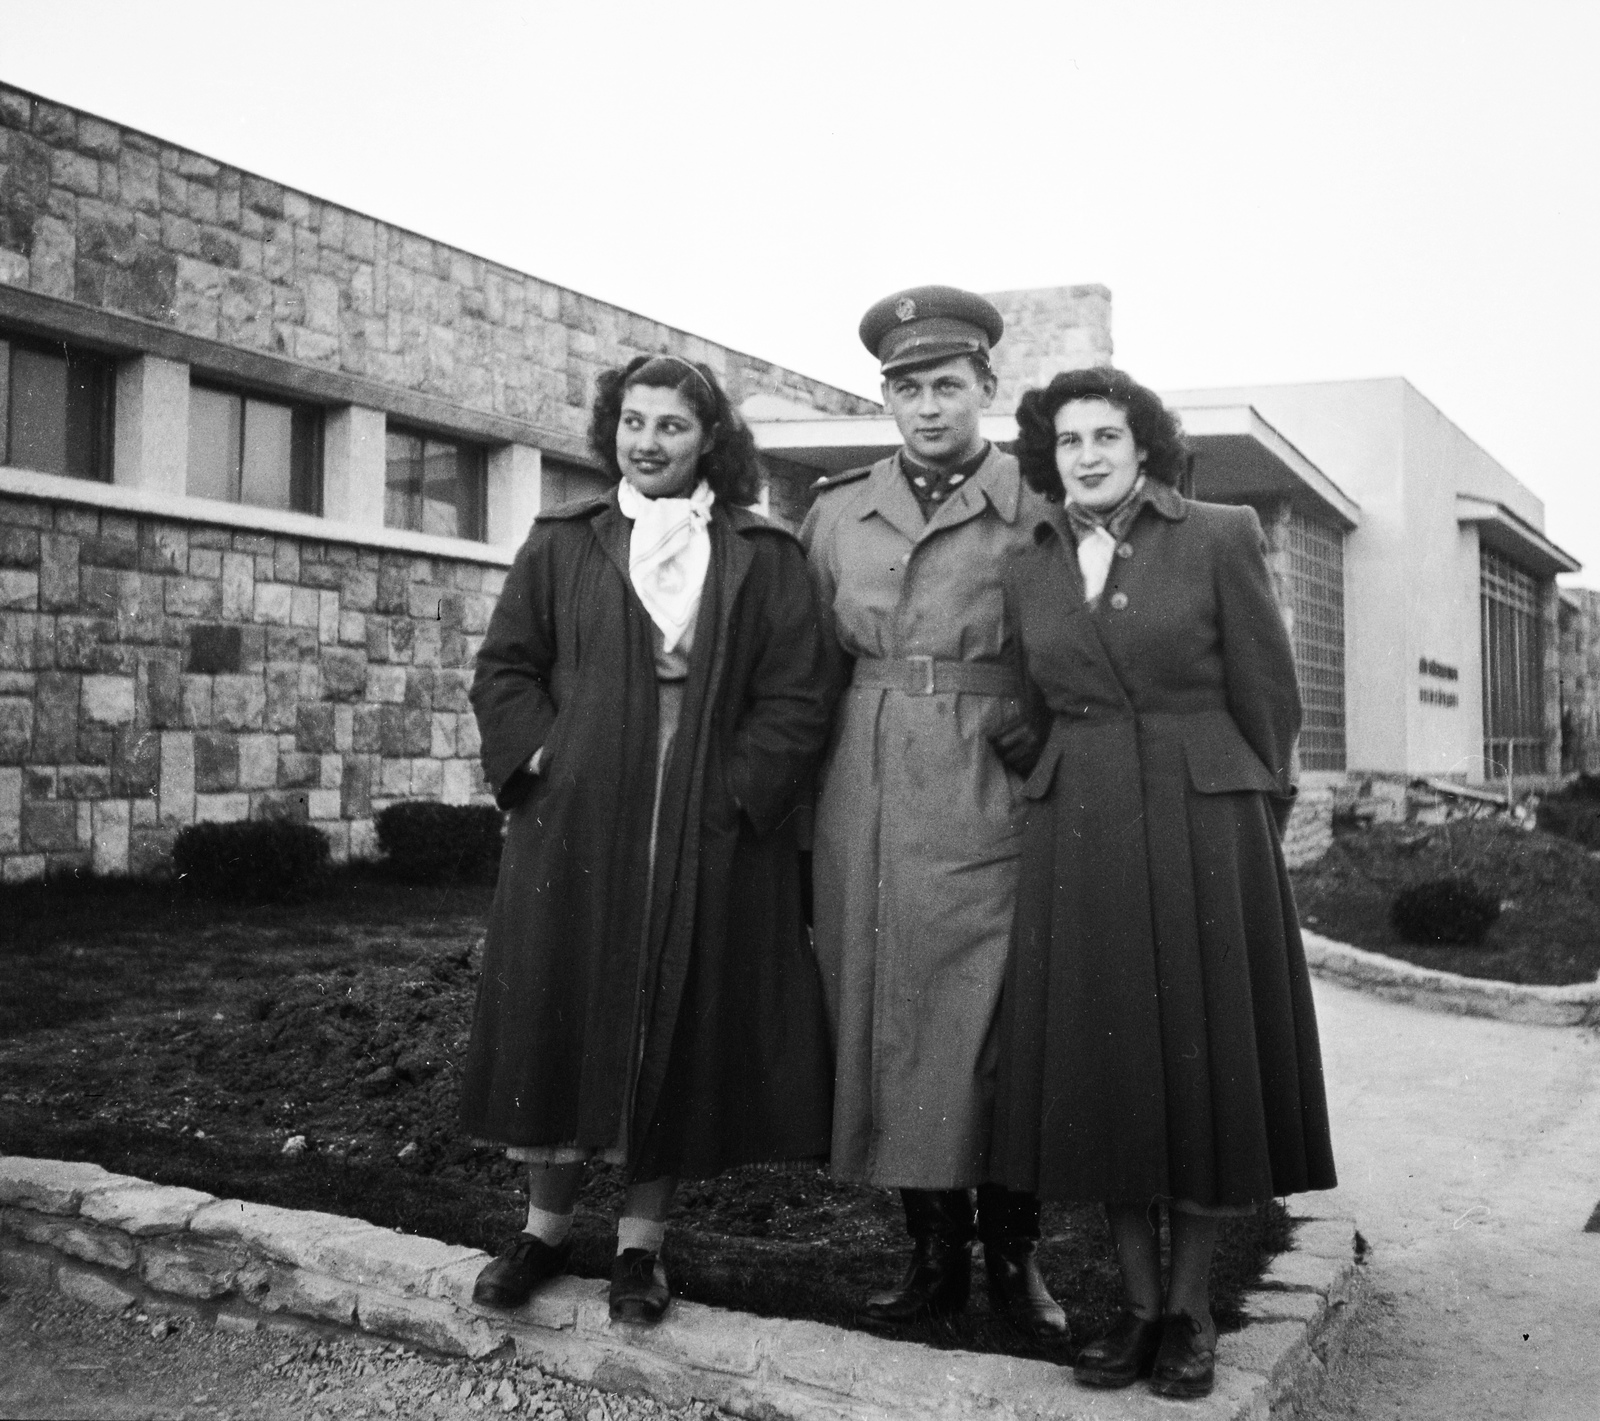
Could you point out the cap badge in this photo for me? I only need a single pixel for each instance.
(905, 308)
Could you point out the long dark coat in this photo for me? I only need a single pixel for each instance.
(1158, 1037)
(704, 1026)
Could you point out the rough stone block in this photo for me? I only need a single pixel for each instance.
(386, 684)
(356, 790)
(451, 690)
(238, 586)
(194, 597)
(305, 608)
(90, 1288)
(164, 547)
(110, 836)
(191, 1270)
(83, 782)
(395, 781)
(300, 770)
(20, 1269)
(10, 811)
(19, 589)
(16, 729)
(216, 762)
(135, 761)
(427, 644)
(196, 702)
(214, 649)
(19, 547)
(105, 1247)
(286, 1235)
(442, 736)
(352, 629)
(323, 804)
(277, 1289)
(49, 827)
(283, 693)
(462, 780)
(394, 579)
(58, 573)
(100, 550)
(1299, 1269)
(1262, 1347)
(286, 560)
(51, 1186)
(258, 761)
(1275, 1306)
(1326, 1238)
(290, 643)
(55, 717)
(427, 778)
(344, 674)
(163, 691)
(150, 848)
(238, 702)
(314, 729)
(274, 601)
(358, 589)
(429, 1323)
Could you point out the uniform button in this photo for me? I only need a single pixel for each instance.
(1119, 601)
(1124, 550)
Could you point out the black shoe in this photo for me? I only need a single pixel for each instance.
(639, 1291)
(1008, 1224)
(1185, 1366)
(1017, 1292)
(939, 1276)
(509, 1278)
(1126, 1353)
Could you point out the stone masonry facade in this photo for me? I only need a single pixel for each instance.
(154, 673)
(104, 216)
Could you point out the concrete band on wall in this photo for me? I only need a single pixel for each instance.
(110, 1240)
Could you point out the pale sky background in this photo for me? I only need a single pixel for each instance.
(1273, 192)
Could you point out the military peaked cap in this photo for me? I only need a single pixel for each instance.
(929, 323)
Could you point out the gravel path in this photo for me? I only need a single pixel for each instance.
(61, 1359)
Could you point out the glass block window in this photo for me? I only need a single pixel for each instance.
(248, 450)
(55, 409)
(434, 485)
(1513, 667)
(1316, 585)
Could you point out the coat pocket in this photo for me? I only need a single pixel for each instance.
(1221, 761)
(1043, 777)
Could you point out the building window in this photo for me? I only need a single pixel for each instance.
(248, 450)
(56, 409)
(1316, 578)
(567, 482)
(434, 485)
(1513, 668)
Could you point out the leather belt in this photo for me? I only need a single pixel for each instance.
(933, 675)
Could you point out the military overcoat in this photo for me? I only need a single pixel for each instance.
(1160, 1039)
(918, 822)
(691, 1027)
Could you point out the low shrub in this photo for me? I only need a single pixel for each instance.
(1574, 812)
(1444, 912)
(427, 842)
(256, 861)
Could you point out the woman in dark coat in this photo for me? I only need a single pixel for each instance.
(651, 695)
(1159, 1044)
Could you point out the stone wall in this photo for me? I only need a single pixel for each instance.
(156, 672)
(101, 215)
(1048, 330)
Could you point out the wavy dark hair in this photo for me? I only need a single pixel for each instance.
(730, 465)
(1156, 431)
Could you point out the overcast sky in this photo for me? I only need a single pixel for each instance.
(1273, 192)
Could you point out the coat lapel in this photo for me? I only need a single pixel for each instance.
(997, 482)
(891, 500)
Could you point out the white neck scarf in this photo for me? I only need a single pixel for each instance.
(668, 554)
(1095, 552)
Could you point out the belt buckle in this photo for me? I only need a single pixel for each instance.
(920, 680)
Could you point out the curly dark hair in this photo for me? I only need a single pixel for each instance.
(730, 465)
(1156, 432)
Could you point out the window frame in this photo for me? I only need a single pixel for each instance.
(308, 483)
(416, 498)
(102, 434)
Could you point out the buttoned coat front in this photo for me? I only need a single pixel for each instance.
(918, 822)
(1160, 1039)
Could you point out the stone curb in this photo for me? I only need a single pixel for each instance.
(1577, 1005)
(110, 1240)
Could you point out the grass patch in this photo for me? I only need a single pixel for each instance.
(186, 1042)
(1548, 931)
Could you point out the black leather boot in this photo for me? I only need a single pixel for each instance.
(939, 1275)
(1008, 1225)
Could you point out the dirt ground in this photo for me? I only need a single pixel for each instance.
(60, 1359)
(308, 1059)
(1549, 889)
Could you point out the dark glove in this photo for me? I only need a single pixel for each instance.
(1019, 743)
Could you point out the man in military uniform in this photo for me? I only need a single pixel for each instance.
(918, 822)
